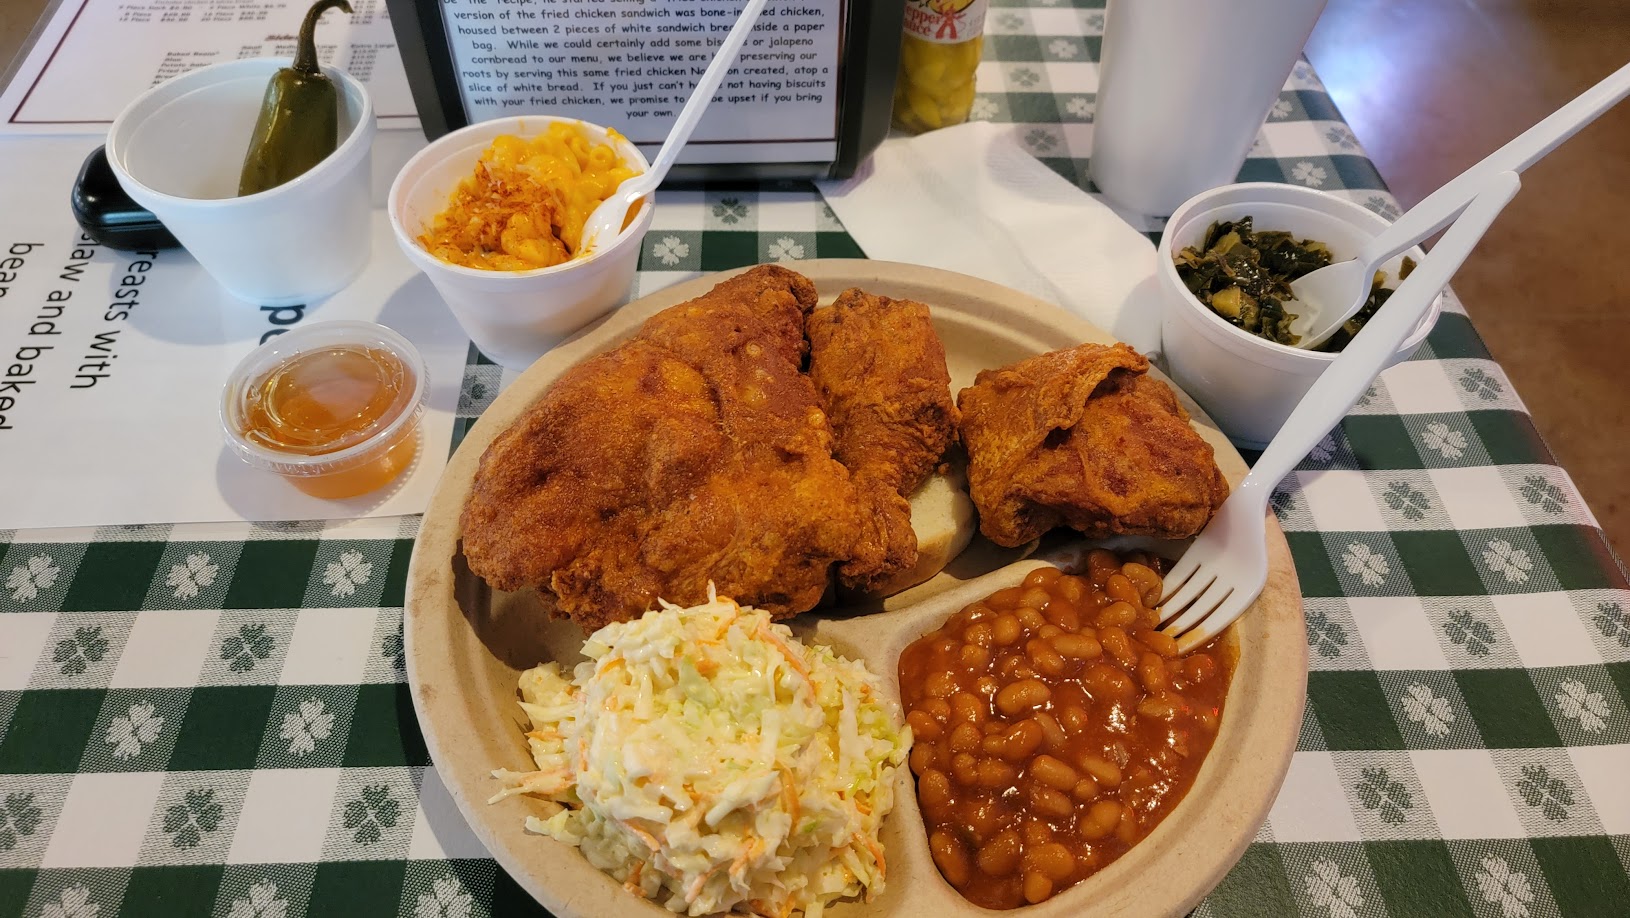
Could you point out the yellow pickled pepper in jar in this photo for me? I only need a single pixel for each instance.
(939, 53)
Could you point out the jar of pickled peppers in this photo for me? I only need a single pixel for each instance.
(939, 53)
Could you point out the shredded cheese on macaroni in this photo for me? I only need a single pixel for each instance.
(525, 205)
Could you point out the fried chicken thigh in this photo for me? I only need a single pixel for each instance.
(879, 368)
(695, 452)
(1083, 438)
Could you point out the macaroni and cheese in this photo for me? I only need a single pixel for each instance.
(525, 205)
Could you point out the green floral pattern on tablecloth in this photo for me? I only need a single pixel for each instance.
(212, 720)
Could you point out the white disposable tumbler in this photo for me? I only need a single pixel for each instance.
(178, 150)
(1183, 89)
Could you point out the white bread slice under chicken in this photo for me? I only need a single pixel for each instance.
(944, 519)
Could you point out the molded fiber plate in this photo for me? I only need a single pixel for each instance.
(466, 644)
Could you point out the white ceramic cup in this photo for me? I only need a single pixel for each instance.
(1247, 384)
(178, 151)
(1183, 89)
(514, 317)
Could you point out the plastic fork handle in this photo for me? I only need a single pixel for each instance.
(1527, 148)
(1338, 388)
(1430, 215)
(696, 105)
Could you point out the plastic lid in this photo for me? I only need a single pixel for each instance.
(348, 451)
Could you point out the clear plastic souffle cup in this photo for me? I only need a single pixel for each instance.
(332, 407)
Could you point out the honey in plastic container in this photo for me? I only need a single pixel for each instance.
(333, 407)
(939, 52)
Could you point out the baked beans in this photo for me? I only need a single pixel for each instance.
(1054, 728)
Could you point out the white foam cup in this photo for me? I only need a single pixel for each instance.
(1183, 89)
(514, 317)
(1249, 385)
(178, 151)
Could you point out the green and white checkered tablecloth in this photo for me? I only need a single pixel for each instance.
(211, 719)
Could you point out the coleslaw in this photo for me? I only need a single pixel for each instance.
(711, 762)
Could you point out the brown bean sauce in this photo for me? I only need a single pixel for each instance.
(1054, 728)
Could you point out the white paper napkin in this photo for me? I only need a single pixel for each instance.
(971, 199)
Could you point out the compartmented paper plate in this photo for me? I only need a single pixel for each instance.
(466, 645)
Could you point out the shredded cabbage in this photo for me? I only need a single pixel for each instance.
(711, 762)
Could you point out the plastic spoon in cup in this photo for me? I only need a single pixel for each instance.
(1225, 568)
(607, 219)
(1333, 294)
(1346, 284)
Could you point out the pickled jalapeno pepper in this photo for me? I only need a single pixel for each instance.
(299, 118)
(939, 53)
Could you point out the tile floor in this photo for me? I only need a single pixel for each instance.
(17, 18)
(1430, 87)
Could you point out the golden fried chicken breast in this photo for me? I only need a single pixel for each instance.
(879, 368)
(695, 452)
(1083, 438)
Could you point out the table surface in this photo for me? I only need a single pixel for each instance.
(212, 719)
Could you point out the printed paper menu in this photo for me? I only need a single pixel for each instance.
(631, 64)
(97, 55)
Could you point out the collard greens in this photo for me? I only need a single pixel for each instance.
(1244, 275)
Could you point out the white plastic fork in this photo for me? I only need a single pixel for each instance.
(1226, 567)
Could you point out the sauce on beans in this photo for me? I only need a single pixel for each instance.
(1054, 728)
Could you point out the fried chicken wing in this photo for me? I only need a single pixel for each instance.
(695, 452)
(1083, 438)
(880, 370)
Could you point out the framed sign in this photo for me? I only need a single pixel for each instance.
(809, 96)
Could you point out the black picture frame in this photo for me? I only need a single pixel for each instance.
(869, 60)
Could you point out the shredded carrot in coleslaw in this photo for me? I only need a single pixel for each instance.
(721, 764)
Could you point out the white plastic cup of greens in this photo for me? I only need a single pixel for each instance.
(1250, 385)
(178, 151)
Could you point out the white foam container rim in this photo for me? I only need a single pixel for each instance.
(1219, 203)
(260, 361)
(328, 171)
(460, 143)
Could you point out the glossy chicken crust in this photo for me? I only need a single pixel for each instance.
(697, 451)
(879, 368)
(1083, 438)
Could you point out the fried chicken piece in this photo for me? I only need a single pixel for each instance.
(695, 452)
(880, 370)
(1082, 438)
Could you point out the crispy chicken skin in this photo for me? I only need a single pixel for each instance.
(696, 451)
(1083, 438)
(879, 368)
